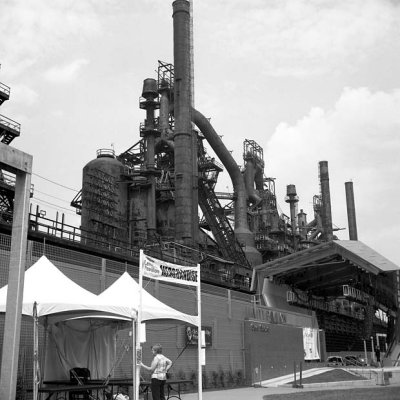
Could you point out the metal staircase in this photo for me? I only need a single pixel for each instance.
(219, 224)
(4, 93)
(213, 212)
(9, 129)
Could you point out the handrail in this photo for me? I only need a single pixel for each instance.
(105, 152)
(225, 196)
(10, 123)
(4, 88)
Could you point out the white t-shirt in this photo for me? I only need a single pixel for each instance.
(161, 369)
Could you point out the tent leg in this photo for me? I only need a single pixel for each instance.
(134, 361)
(199, 338)
(35, 354)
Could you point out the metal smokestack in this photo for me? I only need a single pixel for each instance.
(184, 185)
(292, 199)
(302, 224)
(351, 211)
(326, 200)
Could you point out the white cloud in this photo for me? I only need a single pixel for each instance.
(23, 95)
(359, 137)
(32, 30)
(65, 73)
(302, 37)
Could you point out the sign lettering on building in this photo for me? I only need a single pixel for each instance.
(259, 327)
(270, 316)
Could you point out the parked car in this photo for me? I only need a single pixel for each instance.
(355, 361)
(335, 361)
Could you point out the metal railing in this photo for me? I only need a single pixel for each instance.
(9, 123)
(5, 89)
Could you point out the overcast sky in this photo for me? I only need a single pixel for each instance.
(308, 80)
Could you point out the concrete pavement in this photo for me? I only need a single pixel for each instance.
(255, 393)
(280, 386)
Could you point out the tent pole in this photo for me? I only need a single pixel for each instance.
(44, 355)
(138, 324)
(199, 337)
(35, 353)
(134, 368)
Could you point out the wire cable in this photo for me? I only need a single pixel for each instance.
(54, 197)
(54, 205)
(55, 183)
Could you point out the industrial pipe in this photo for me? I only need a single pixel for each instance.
(164, 91)
(163, 124)
(326, 200)
(149, 93)
(242, 232)
(351, 211)
(249, 174)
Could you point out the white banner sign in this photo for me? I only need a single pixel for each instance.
(164, 271)
(310, 341)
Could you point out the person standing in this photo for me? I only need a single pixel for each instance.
(158, 368)
(378, 355)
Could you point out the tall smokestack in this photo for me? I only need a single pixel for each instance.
(351, 211)
(184, 184)
(292, 199)
(326, 200)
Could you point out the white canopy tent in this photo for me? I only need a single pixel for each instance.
(54, 293)
(125, 292)
(69, 341)
(49, 296)
(71, 311)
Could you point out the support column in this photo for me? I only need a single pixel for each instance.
(19, 163)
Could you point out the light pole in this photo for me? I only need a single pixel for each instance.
(372, 349)
(365, 351)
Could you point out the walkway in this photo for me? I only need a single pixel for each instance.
(281, 386)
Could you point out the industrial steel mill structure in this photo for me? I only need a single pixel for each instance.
(268, 277)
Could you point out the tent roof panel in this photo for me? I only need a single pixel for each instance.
(53, 292)
(125, 292)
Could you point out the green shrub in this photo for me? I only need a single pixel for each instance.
(214, 378)
(230, 379)
(239, 378)
(204, 377)
(221, 378)
(193, 377)
(181, 375)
